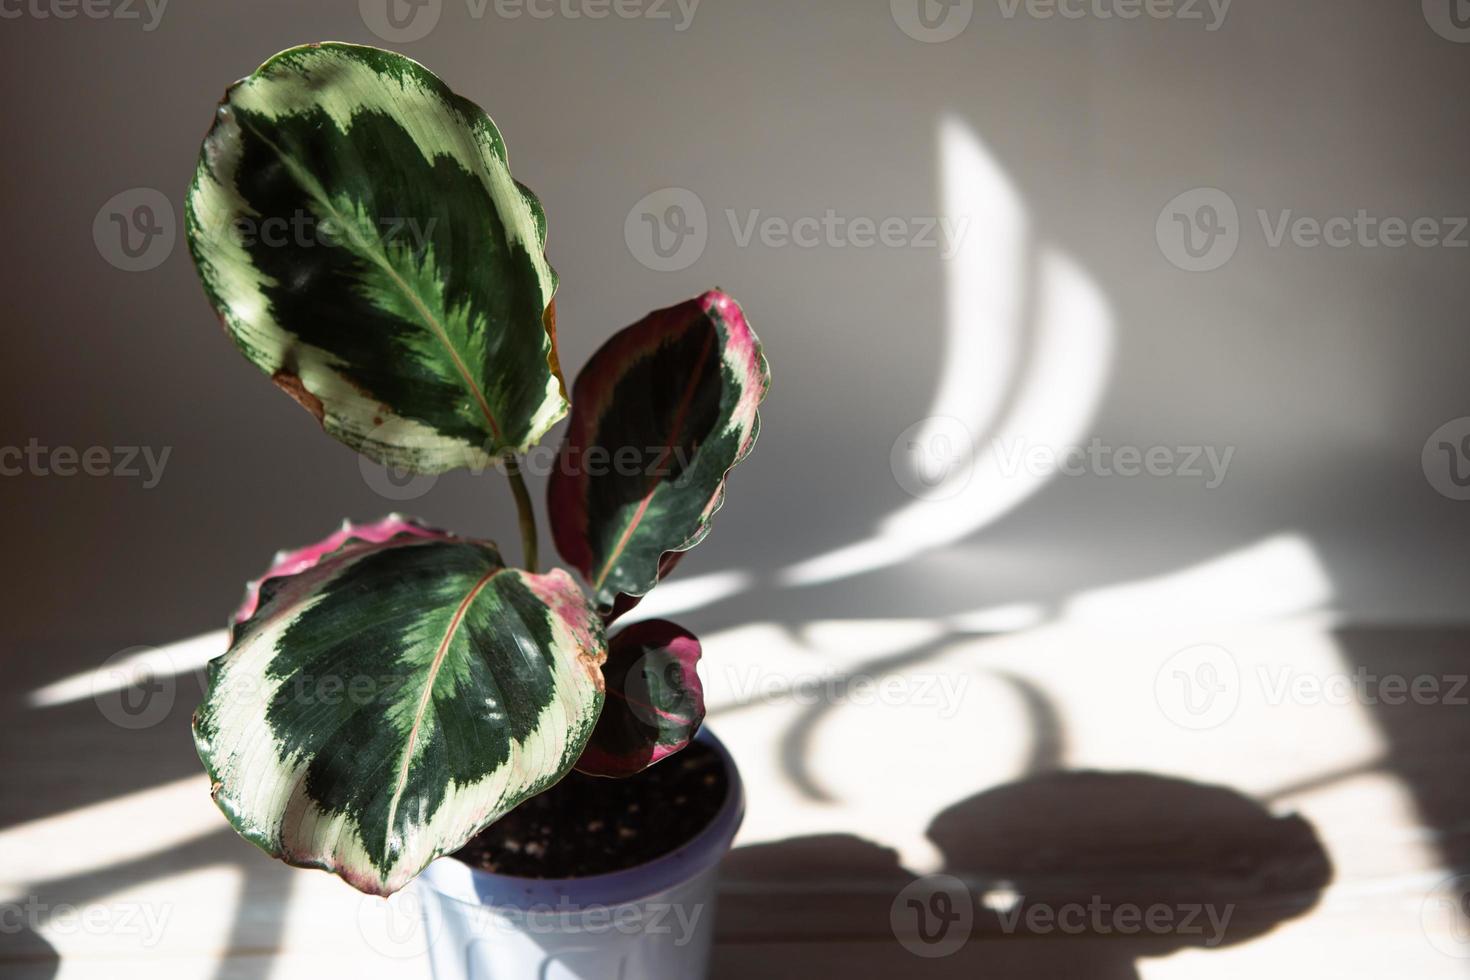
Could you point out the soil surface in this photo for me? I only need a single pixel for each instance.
(589, 825)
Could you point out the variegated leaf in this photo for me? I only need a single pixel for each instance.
(655, 702)
(357, 227)
(390, 693)
(661, 413)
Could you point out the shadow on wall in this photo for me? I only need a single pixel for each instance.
(1420, 708)
(1005, 369)
(1107, 868)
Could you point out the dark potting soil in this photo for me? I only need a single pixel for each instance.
(589, 825)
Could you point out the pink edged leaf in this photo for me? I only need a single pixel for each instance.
(293, 562)
(661, 414)
(654, 704)
(391, 691)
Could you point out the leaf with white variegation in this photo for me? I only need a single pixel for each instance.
(392, 691)
(357, 227)
(676, 395)
(654, 704)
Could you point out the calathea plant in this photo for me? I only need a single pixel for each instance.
(393, 689)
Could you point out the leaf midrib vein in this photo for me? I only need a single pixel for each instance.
(314, 188)
(427, 695)
(653, 481)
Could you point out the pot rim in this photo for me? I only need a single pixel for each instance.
(455, 879)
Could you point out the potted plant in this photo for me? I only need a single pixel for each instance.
(395, 693)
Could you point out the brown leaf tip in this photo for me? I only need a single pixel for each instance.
(291, 385)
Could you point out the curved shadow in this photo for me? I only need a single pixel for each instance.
(796, 753)
(1066, 874)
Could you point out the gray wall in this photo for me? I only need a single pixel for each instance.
(1325, 369)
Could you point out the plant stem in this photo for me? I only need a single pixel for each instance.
(523, 509)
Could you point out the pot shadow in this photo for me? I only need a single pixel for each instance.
(1414, 683)
(1064, 874)
(26, 955)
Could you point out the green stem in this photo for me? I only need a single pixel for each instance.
(523, 508)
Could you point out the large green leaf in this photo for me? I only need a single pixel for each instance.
(392, 691)
(357, 227)
(661, 413)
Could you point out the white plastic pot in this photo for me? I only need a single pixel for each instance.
(650, 922)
